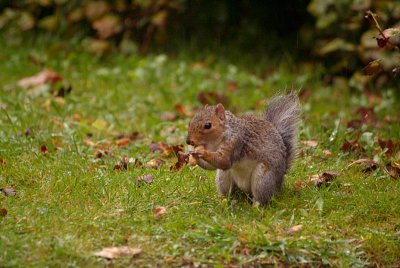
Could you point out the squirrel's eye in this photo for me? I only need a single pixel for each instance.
(207, 125)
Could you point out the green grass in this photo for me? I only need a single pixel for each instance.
(70, 204)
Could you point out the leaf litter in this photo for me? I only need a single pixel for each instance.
(8, 191)
(117, 252)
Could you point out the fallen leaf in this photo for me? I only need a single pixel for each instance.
(2, 161)
(182, 160)
(100, 124)
(168, 116)
(107, 26)
(323, 178)
(3, 212)
(134, 136)
(146, 178)
(123, 164)
(155, 163)
(310, 143)
(159, 211)
(43, 148)
(293, 229)
(232, 86)
(47, 76)
(165, 148)
(181, 110)
(28, 132)
(305, 93)
(116, 252)
(123, 142)
(371, 164)
(388, 144)
(8, 191)
(101, 153)
(351, 145)
(90, 143)
(299, 185)
(393, 170)
(327, 153)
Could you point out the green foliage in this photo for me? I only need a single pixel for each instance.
(122, 21)
(347, 41)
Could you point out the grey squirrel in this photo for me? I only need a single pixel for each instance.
(249, 152)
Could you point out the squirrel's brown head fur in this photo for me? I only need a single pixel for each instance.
(207, 127)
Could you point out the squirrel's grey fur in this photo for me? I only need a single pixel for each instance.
(254, 153)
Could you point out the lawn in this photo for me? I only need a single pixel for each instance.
(76, 154)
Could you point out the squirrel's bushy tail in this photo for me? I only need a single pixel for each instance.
(284, 113)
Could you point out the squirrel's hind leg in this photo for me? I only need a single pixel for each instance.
(224, 182)
(265, 183)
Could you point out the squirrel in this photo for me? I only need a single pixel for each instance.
(249, 152)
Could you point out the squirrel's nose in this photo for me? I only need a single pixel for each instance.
(188, 141)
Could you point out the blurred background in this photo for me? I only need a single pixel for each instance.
(336, 34)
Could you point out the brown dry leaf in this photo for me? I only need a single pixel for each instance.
(2, 161)
(8, 191)
(232, 86)
(371, 164)
(43, 149)
(101, 153)
(46, 76)
(123, 164)
(388, 144)
(310, 143)
(323, 178)
(146, 178)
(154, 163)
(168, 116)
(159, 211)
(327, 153)
(351, 145)
(305, 93)
(28, 132)
(182, 160)
(123, 142)
(393, 170)
(89, 143)
(299, 185)
(116, 252)
(3, 212)
(293, 229)
(180, 109)
(107, 26)
(165, 148)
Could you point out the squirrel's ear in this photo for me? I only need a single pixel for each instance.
(220, 111)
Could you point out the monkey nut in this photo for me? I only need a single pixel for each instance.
(192, 161)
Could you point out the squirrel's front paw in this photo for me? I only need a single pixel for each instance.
(199, 151)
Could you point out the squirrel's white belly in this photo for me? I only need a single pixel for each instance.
(241, 173)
